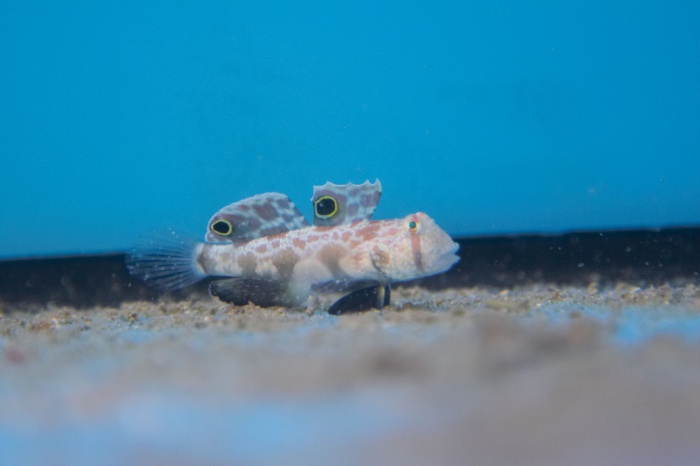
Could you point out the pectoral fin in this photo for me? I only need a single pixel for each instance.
(374, 297)
(240, 291)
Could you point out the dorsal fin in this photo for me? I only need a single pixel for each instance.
(255, 217)
(335, 204)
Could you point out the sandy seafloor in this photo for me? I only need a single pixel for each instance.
(529, 375)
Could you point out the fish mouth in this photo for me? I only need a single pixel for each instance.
(446, 259)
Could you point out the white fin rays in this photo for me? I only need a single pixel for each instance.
(166, 260)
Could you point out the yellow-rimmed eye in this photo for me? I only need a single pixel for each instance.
(412, 225)
(222, 227)
(325, 207)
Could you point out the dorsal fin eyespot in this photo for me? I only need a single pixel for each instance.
(351, 202)
(222, 227)
(325, 207)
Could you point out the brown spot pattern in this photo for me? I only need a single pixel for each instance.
(253, 223)
(330, 256)
(380, 259)
(233, 218)
(299, 243)
(265, 211)
(272, 231)
(284, 262)
(367, 200)
(368, 232)
(247, 263)
(289, 218)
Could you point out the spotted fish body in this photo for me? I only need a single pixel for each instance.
(384, 252)
(286, 267)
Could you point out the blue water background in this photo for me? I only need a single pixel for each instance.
(118, 118)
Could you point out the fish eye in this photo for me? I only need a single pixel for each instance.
(222, 227)
(412, 225)
(325, 207)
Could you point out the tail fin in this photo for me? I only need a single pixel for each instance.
(167, 261)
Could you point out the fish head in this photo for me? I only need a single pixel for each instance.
(415, 247)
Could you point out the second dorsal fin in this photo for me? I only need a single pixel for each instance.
(335, 204)
(254, 217)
